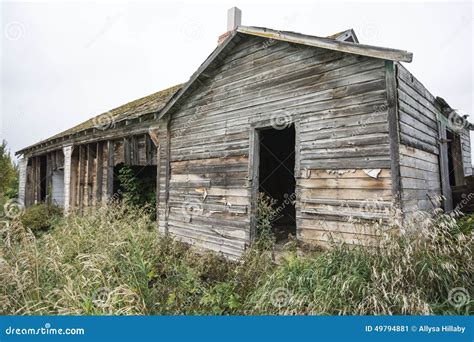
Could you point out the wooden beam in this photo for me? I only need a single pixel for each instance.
(149, 146)
(168, 173)
(393, 129)
(110, 169)
(99, 172)
(49, 176)
(158, 183)
(444, 167)
(153, 133)
(83, 138)
(90, 170)
(330, 44)
(37, 173)
(135, 160)
(80, 178)
(254, 161)
(126, 151)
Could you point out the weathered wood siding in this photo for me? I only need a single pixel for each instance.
(466, 152)
(338, 102)
(419, 148)
(92, 167)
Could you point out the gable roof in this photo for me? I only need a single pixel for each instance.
(291, 37)
(161, 102)
(345, 36)
(145, 105)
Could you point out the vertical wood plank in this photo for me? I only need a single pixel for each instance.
(49, 177)
(135, 159)
(393, 128)
(38, 179)
(168, 173)
(69, 177)
(149, 146)
(444, 167)
(90, 170)
(99, 172)
(126, 151)
(81, 171)
(254, 160)
(110, 169)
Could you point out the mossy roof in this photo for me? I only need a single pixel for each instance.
(145, 105)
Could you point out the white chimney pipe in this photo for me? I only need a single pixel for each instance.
(234, 18)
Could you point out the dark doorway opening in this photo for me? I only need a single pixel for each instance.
(137, 183)
(455, 162)
(277, 177)
(43, 181)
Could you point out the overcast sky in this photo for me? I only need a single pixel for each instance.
(64, 62)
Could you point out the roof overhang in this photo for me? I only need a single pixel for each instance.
(291, 37)
(330, 44)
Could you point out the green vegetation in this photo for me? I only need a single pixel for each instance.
(8, 175)
(113, 261)
(41, 217)
(138, 187)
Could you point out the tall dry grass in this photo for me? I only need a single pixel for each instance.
(112, 261)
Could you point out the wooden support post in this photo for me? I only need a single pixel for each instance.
(444, 167)
(38, 179)
(168, 173)
(90, 170)
(254, 160)
(110, 169)
(134, 151)
(49, 177)
(81, 177)
(126, 151)
(393, 128)
(99, 172)
(22, 170)
(67, 150)
(149, 147)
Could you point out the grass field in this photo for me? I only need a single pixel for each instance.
(113, 261)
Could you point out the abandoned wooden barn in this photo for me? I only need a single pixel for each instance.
(334, 130)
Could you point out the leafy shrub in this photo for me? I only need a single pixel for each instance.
(138, 191)
(41, 217)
